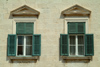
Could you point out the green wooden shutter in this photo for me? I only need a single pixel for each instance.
(76, 27)
(64, 45)
(36, 47)
(72, 27)
(11, 45)
(24, 28)
(89, 45)
(20, 28)
(29, 28)
(81, 27)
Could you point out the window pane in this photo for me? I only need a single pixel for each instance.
(80, 40)
(80, 50)
(20, 40)
(28, 40)
(28, 50)
(72, 50)
(20, 50)
(72, 40)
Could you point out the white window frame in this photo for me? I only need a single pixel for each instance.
(24, 46)
(24, 20)
(76, 44)
(76, 19)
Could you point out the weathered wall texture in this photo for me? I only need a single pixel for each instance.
(50, 26)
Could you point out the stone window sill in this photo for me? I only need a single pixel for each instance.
(23, 58)
(77, 58)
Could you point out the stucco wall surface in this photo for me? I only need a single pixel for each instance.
(50, 26)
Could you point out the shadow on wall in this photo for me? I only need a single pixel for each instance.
(10, 16)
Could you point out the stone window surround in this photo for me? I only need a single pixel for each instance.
(78, 19)
(18, 20)
(24, 14)
(23, 19)
(65, 31)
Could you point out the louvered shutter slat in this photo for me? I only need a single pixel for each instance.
(76, 27)
(11, 46)
(24, 28)
(36, 45)
(20, 28)
(29, 28)
(81, 27)
(72, 28)
(63, 44)
(89, 45)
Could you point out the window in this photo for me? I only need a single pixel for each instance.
(24, 42)
(76, 42)
(24, 46)
(76, 31)
(24, 33)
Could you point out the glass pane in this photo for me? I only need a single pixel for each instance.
(28, 50)
(20, 50)
(80, 40)
(72, 40)
(72, 50)
(20, 40)
(28, 40)
(80, 50)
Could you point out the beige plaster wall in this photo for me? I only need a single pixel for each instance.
(50, 26)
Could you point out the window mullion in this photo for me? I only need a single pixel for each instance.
(17, 46)
(76, 45)
(24, 46)
(69, 44)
